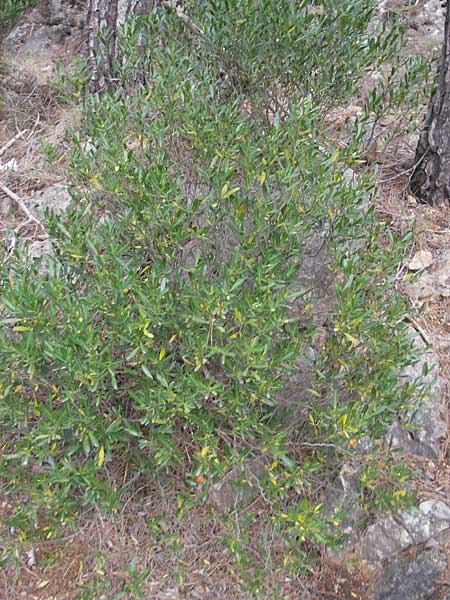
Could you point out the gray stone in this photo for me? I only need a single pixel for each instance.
(424, 428)
(239, 485)
(40, 248)
(55, 198)
(391, 535)
(351, 178)
(343, 495)
(433, 283)
(56, 13)
(412, 578)
(315, 280)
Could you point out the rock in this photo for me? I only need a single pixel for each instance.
(343, 495)
(425, 427)
(420, 260)
(40, 248)
(315, 279)
(55, 198)
(11, 165)
(239, 485)
(412, 578)
(392, 535)
(432, 284)
(56, 15)
(351, 178)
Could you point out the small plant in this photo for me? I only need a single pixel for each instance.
(71, 82)
(385, 485)
(53, 155)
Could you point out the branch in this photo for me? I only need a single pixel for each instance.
(20, 203)
(11, 141)
(183, 16)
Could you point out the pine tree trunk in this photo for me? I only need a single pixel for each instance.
(104, 19)
(430, 181)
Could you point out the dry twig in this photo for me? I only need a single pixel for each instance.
(20, 203)
(11, 141)
(181, 14)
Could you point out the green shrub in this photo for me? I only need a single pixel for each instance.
(156, 338)
(317, 49)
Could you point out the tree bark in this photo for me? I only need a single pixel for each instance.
(103, 21)
(430, 181)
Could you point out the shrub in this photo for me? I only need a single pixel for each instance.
(155, 340)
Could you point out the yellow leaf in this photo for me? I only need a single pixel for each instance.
(204, 451)
(226, 193)
(147, 333)
(22, 328)
(162, 353)
(101, 456)
(314, 392)
(343, 418)
(353, 340)
(96, 182)
(262, 177)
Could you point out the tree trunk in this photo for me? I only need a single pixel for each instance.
(103, 21)
(430, 181)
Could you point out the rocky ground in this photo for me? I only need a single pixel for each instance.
(398, 557)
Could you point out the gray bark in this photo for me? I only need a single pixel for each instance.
(103, 21)
(430, 181)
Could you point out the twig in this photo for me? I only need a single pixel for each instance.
(11, 141)
(34, 127)
(420, 330)
(20, 203)
(183, 16)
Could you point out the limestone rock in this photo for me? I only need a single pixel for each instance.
(424, 429)
(412, 578)
(391, 535)
(239, 485)
(433, 283)
(55, 198)
(421, 260)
